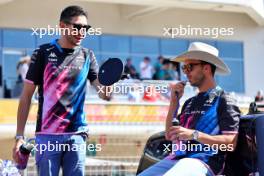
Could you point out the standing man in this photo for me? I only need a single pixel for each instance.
(259, 96)
(130, 69)
(146, 69)
(208, 122)
(60, 70)
(166, 72)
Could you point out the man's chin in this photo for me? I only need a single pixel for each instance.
(78, 43)
(193, 83)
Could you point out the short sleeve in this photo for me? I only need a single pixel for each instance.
(35, 71)
(229, 114)
(93, 70)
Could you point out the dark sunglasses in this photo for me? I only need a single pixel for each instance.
(80, 26)
(189, 67)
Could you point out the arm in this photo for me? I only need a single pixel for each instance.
(171, 111)
(103, 91)
(34, 77)
(22, 114)
(226, 139)
(174, 102)
(23, 107)
(228, 115)
(181, 133)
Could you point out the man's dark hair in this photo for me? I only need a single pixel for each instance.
(160, 57)
(213, 67)
(147, 58)
(166, 61)
(72, 11)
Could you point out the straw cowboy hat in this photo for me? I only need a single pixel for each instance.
(204, 52)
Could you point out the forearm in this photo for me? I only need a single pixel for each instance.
(172, 109)
(229, 139)
(22, 114)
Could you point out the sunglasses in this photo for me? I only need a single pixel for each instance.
(80, 26)
(189, 67)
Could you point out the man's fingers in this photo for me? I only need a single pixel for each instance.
(177, 137)
(174, 131)
(174, 137)
(177, 86)
(15, 156)
(174, 128)
(18, 143)
(181, 136)
(167, 137)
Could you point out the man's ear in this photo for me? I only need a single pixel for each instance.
(207, 68)
(62, 24)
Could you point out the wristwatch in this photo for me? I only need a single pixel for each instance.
(17, 137)
(195, 135)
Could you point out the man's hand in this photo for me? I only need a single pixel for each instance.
(104, 92)
(18, 143)
(179, 88)
(179, 133)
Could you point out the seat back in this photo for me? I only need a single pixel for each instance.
(154, 151)
(240, 162)
(246, 150)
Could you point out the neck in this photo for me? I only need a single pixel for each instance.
(63, 42)
(207, 84)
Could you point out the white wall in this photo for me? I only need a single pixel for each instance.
(36, 13)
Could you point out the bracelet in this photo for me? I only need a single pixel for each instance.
(20, 137)
(195, 135)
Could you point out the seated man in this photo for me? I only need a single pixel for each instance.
(208, 121)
